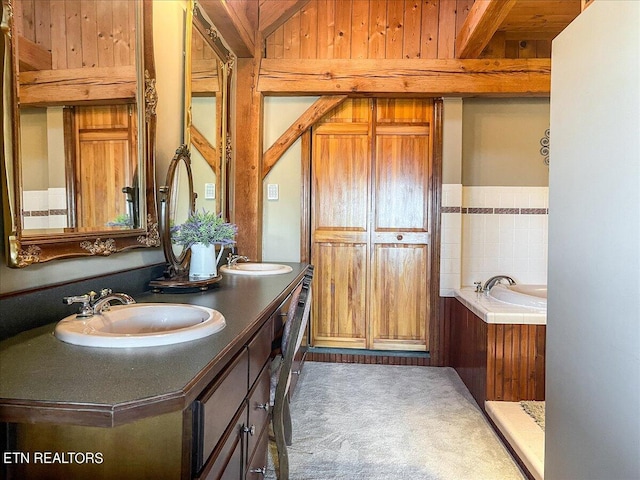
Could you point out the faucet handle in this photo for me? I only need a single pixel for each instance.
(86, 309)
(478, 286)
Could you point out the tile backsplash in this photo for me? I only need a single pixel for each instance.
(44, 208)
(503, 230)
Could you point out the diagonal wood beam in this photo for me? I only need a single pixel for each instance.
(484, 19)
(314, 113)
(234, 28)
(32, 56)
(208, 151)
(427, 77)
(274, 13)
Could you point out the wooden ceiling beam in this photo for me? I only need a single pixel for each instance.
(484, 19)
(428, 77)
(274, 13)
(32, 56)
(236, 29)
(314, 113)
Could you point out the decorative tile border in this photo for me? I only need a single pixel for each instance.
(495, 211)
(43, 213)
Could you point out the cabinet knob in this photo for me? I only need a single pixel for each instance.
(250, 430)
(261, 471)
(296, 372)
(399, 236)
(263, 406)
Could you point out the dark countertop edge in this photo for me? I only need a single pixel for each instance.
(105, 415)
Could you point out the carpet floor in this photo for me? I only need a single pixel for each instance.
(387, 422)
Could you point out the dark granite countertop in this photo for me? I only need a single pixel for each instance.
(44, 379)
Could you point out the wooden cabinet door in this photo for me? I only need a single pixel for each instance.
(371, 179)
(341, 169)
(400, 231)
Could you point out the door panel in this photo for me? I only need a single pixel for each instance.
(370, 225)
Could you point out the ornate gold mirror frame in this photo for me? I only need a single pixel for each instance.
(27, 248)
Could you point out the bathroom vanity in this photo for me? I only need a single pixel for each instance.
(197, 409)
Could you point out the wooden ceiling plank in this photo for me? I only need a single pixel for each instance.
(428, 77)
(484, 19)
(314, 113)
(275, 13)
(230, 26)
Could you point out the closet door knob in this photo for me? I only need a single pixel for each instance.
(399, 236)
(250, 430)
(261, 471)
(263, 406)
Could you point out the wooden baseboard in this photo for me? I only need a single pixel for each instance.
(368, 356)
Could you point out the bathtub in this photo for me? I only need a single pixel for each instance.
(523, 295)
(507, 304)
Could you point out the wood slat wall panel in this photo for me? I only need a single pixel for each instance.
(80, 33)
(366, 359)
(495, 361)
(395, 29)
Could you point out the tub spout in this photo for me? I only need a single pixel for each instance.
(497, 279)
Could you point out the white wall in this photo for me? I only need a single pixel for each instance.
(281, 218)
(593, 325)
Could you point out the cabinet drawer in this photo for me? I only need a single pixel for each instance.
(216, 407)
(258, 462)
(258, 415)
(226, 461)
(260, 350)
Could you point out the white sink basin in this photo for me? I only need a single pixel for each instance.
(256, 269)
(141, 325)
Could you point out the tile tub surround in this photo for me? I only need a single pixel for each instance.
(451, 239)
(504, 231)
(495, 311)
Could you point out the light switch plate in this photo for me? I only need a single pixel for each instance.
(272, 191)
(210, 191)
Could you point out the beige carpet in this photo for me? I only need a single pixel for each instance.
(386, 422)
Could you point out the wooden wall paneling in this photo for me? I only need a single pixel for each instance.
(291, 39)
(543, 48)
(412, 29)
(58, 35)
(326, 28)
(429, 29)
(273, 14)
(105, 41)
(395, 29)
(89, 13)
(496, 47)
(359, 29)
(309, 30)
(275, 44)
(377, 28)
(446, 28)
(121, 34)
(342, 36)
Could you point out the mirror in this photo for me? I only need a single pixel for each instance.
(208, 71)
(78, 128)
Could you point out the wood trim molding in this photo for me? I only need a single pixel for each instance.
(435, 341)
(305, 198)
(484, 19)
(314, 113)
(431, 77)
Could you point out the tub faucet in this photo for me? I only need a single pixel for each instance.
(497, 279)
(233, 259)
(94, 304)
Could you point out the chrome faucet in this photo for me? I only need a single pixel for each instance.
(94, 304)
(233, 259)
(489, 284)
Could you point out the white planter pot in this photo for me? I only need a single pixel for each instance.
(204, 261)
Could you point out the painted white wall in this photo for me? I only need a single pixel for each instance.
(281, 218)
(593, 326)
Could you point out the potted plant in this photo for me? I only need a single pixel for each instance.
(201, 232)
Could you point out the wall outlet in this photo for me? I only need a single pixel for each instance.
(272, 191)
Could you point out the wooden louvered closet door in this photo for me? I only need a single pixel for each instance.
(371, 174)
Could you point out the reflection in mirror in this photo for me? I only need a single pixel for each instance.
(208, 71)
(83, 97)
